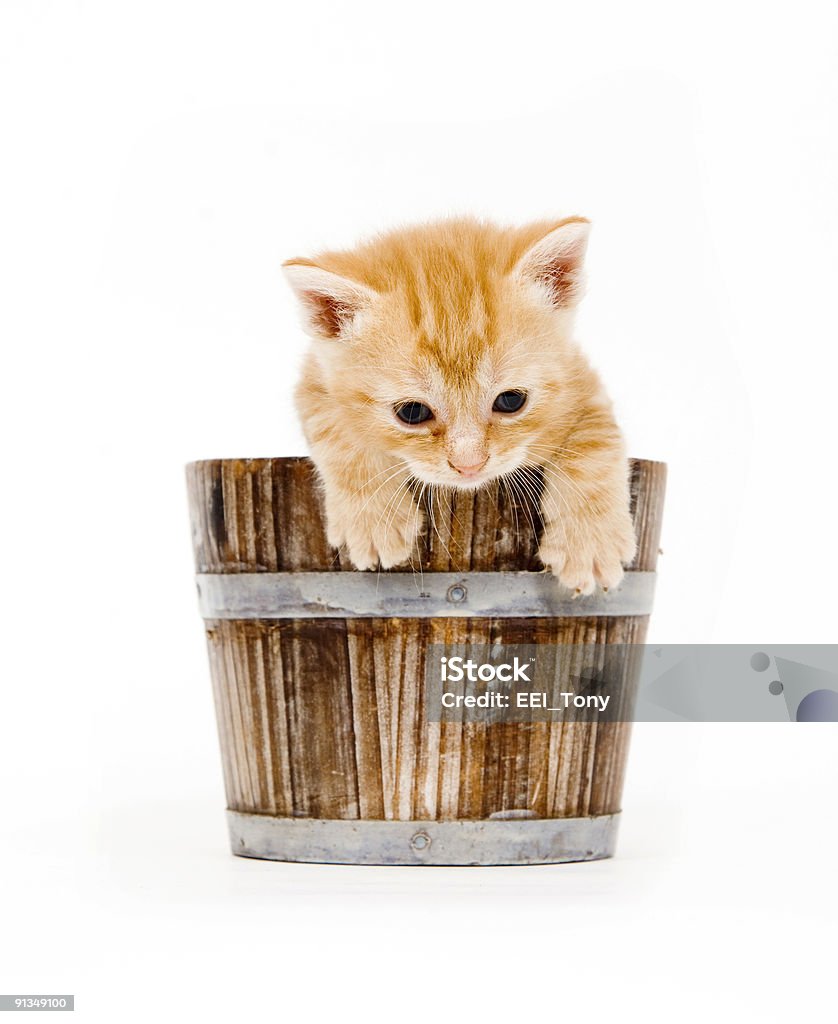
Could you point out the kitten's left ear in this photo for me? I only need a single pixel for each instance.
(330, 302)
(556, 261)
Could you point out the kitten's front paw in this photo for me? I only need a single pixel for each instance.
(582, 557)
(373, 538)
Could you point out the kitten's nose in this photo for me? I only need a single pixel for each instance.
(471, 469)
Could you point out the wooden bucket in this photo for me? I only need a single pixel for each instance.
(318, 677)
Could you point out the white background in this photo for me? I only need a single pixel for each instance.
(159, 161)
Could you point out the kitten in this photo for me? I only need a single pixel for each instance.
(444, 353)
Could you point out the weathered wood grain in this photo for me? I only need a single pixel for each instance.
(325, 718)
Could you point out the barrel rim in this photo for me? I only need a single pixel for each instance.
(460, 842)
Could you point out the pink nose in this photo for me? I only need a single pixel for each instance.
(471, 469)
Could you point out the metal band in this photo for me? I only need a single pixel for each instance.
(349, 595)
(492, 842)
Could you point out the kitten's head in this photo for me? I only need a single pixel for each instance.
(448, 346)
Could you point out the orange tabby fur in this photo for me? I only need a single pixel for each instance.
(452, 314)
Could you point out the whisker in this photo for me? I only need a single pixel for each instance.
(400, 467)
(419, 544)
(384, 484)
(514, 483)
(554, 448)
(565, 476)
(551, 509)
(434, 526)
(512, 505)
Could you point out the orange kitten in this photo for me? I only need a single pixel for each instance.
(444, 353)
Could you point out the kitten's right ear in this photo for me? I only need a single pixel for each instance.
(556, 261)
(330, 302)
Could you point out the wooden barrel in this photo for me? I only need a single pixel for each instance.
(318, 676)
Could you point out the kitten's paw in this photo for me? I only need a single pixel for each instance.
(372, 539)
(582, 558)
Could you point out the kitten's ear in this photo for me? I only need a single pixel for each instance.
(330, 302)
(556, 262)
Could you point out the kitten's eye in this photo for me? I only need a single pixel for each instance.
(413, 413)
(510, 401)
